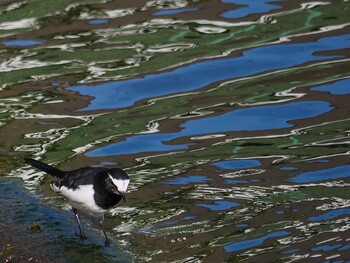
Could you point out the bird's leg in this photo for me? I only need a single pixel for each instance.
(82, 235)
(107, 242)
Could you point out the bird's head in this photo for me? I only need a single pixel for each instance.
(119, 181)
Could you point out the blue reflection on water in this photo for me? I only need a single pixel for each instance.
(341, 87)
(190, 217)
(318, 161)
(138, 144)
(280, 212)
(346, 247)
(242, 225)
(290, 251)
(22, 43)
(335, 261)
(326, 247)
(250, 119)
(165, 12)
(288, 168)
(98, 21)
(188, 179)
(237, 164)
(234, 181)
(331, 214)
(124, 93)
(322, 175)
(250, 7)
(256, 118)
(250, 243)
(220, 205)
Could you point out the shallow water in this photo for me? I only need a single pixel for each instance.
(231, 118)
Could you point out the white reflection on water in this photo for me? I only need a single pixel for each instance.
(23, 23)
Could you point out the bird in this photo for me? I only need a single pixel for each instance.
(89, 190)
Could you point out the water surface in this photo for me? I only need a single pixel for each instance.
(231, 118)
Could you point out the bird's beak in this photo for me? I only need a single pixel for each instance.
(123, 196)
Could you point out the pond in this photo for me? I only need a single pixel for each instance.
(231, 118)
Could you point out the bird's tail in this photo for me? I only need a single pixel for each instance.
(57, 173)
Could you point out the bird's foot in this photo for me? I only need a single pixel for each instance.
(81, 235)
(107, 243)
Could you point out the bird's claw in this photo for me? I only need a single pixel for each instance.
(107, 243)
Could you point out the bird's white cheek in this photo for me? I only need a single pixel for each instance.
(121, 184)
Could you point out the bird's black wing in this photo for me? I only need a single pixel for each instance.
(83, 176)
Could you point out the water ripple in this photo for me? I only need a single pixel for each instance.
(125, 93)
(251, 119)
(231, 118)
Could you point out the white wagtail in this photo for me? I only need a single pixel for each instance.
(89, 190)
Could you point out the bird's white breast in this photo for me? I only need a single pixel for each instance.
(82, 199)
